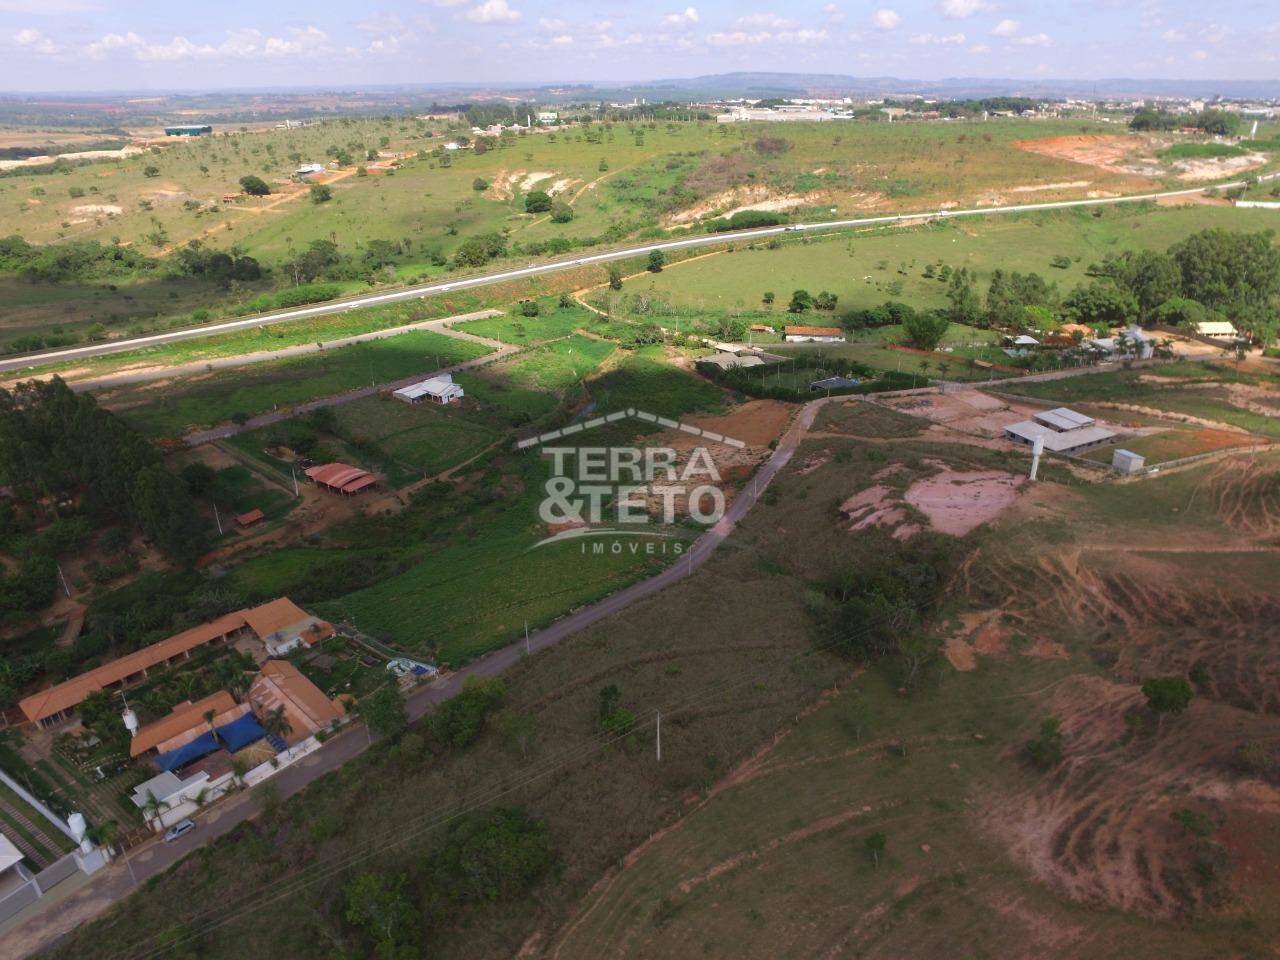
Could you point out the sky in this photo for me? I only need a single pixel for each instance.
(105, 45)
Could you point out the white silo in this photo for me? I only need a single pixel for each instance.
(80, 830)
(130, 721)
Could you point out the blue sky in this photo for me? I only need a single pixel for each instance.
(142, 44)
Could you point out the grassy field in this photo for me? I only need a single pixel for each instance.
(622, 182)
(183, 405)
(716, 848)
(888, 264)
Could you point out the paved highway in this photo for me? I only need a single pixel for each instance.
(33, 361)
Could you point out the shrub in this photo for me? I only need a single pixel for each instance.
(254, 186)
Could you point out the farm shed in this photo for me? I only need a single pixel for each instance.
(188, 130)
(1127, 462)
(1217, 329)
(439, 389)
(56, 703)
(307, 169)
(250, 518)
(1063, 431)
(341, 478)
(727, 361)
(802, 334)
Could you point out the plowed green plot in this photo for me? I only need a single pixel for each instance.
(419, 440)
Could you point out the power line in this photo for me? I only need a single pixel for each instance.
(403, 832)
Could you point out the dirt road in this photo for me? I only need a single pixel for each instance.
(117, 881)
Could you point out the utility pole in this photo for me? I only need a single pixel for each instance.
(63, 577)
(659, 713)
(526, 638)
(294, 476)
(217, 519)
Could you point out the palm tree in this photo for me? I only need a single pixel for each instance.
(152, 807)
(104, 835)
(277, 724)
(208, 718)
(239, 767)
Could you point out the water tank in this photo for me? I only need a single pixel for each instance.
(77, 824)
(130, 721)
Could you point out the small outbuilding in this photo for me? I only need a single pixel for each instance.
(341, 478)
(439, 389)
(1127, 462)
(249, 519)
(1217, 329)
(803, 334)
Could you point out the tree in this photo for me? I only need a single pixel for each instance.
(1180, 312)
(925, 331)
(479, 184)
(384, 711)
(1167, 694)
(801, 300)
(382, 907)
(657, 259)
(519, 729)
(493, 855)
(615, 278)
(150, 171)
(479, 250)
(459, 721)
(321, 193)
(768, 297)
(537, 201)
(965, 307)
(1237, 274)
(874, 845)
(561, 212)
(530, 308)
(1150, 276)
(254, 186)
(1100, 304)
(1045, 750)
(276, 724)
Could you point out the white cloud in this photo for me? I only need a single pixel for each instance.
(1200, 55)
(738, 38)
(963, 9)
(802, 37)
(562, 40)
(929, 39)
(832, 13)
(766, 21)
(1034, 40)
(683, 18)
(1005, 28)
(46, 8)
(885, 19)
(239, 45)
(1216, 33)
(35, 41)
(1172, 36)
(979, 48)
(552, 25)
(491, 11)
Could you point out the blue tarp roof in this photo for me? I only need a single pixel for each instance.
(241, 732)
(201, 746)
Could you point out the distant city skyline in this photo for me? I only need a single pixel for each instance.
(83, 45)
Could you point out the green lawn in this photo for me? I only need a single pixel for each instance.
(190, 404)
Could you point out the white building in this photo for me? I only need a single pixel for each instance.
(801, 334)
(18, 886)
(1062, 430)
(307, 169)
(439, 389)
(1218, 329)
(548, 117)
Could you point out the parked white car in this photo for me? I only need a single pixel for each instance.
(180, 829)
